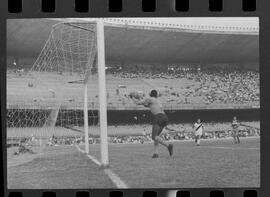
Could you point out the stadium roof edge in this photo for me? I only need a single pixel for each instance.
(191, 28)
(138, 44)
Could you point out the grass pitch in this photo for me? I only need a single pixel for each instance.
(56, 168)
(216, 163)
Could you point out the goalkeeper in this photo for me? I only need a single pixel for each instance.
(160, 119)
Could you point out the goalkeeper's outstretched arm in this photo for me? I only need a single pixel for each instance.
(169, 129)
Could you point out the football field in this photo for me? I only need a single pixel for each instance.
(216, 163)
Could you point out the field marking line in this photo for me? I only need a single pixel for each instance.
(89, 156)
(114, 177)
(231, 148)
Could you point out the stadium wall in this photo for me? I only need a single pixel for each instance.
(27, 62)
(237, 66)
(21, 62)
(116, 117)
(251, 66)
(184, 116)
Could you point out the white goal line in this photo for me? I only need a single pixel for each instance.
(114, 177)
(89, 156)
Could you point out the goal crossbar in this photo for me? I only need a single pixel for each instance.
(77, 26)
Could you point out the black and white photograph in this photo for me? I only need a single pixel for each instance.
(133, 103)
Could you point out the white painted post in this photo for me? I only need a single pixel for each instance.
(86, 119)
(102, 93)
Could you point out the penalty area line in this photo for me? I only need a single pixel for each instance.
(114, 177)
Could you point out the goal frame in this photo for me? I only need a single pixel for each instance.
(100, 55)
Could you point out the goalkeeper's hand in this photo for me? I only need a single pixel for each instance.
(131, 95)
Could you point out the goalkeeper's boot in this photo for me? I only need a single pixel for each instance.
(170, 149)
(155, 155)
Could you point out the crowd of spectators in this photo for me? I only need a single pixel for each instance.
(176, 136)
(236, 87)
(207, 86)
(130, 139)
(202, 86)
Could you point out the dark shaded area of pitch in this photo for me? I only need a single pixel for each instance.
(58, 167)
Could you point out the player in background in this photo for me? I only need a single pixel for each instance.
(198, 131)
(160, 119)
(235, 130)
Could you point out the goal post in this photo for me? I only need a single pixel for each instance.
(102, 93)
(85, 116)
(102, 97)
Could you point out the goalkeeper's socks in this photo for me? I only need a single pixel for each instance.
(170, 149)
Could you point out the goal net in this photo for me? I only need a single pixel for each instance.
(47, 104)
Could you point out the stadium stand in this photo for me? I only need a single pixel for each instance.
(176, 86)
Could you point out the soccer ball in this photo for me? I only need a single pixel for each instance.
(136, 95)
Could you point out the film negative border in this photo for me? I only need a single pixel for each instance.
(142, 193)
(127, 8)
(16, 6)
(131, 8)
